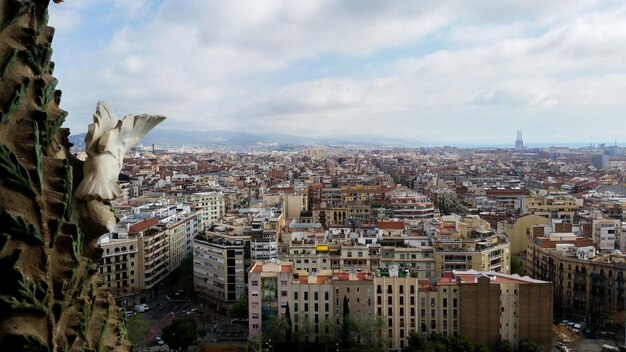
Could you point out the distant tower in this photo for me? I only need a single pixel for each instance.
(519, 143)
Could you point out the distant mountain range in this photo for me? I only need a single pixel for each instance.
(166, 137)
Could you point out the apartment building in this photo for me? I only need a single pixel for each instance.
(396, 301)
(467, 243)
(151, 241)
(119, 267)
(408, 204)
(484, 306)
(135, 260)
(416, 259)
(556, 205)
(588, 286)
(292, 202)
(517, 231)
(605, 233)
(269, 287)
(213, 206)
(181, 229)
(219, 272)
(313, 305)
(499, 306)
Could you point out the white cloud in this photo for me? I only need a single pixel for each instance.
(218, 65)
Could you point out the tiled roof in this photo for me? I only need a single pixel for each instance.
(143, 225)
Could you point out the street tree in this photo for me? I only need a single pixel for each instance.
(181, 333)
(137, 327)
(240, 308)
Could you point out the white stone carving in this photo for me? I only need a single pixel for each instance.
(106, 142)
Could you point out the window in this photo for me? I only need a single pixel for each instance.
(283, 293)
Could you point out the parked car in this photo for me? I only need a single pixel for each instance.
(192, 311)
(159, 341)
(129, 313)
(140, 308)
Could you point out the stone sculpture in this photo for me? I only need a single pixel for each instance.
(106, 142)
(51, 298)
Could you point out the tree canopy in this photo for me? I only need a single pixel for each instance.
(444, 343)
(240, 308)
(181, 333)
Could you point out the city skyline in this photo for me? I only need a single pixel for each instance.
(444, 73)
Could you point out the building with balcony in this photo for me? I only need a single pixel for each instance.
(556, 205)
(269, 288)
(588, 286)
(467, 244)
(135, 260)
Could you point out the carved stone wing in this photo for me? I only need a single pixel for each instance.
(128, 133)
(104, 120)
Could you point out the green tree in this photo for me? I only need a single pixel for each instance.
(240, 308)
(368, 333)
(503, 346)
(529, 346)
(276, 329)
(417, 342)
(137, 327)
(346, 325)
(288, 318)
(516, 266)
(181, 333)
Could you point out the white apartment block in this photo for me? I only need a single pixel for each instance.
(605, 233)
(213, 206)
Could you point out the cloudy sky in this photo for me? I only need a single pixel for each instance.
(435, 71)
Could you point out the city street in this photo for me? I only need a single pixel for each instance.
(164, 308)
